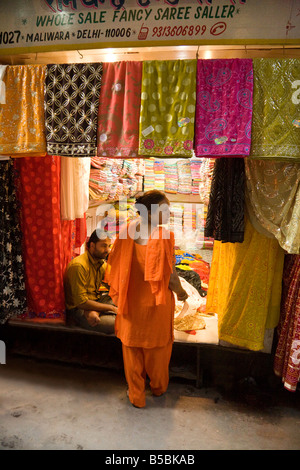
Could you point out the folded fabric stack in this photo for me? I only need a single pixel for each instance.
(189, 217)
(140, 166)
(98, 186)
(114, 178)
(159, 175)
(184, 177)
(176, 218)
(120, 213)
(195, 173)
(171, 177)
(194, 269)
(149, 178)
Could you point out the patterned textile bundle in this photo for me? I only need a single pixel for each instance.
(168, 99)
(22, 121)
(287, 362)
(276, 120)
(12, 291)
(71, 108)
(224, 107)
(119, 110)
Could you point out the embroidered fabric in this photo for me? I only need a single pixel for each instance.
(13, 299)
(71, 108)
(224, 107)
(276, 120)
(22, 122)
(168, 101)
(273, 200)
(119, 110)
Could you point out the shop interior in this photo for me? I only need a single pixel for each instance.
(112, 184)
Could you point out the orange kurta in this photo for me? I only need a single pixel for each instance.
(139, 276)
(146, 324)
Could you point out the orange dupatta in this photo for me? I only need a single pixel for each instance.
(158, 267)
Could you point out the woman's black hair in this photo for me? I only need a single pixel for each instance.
(151, 197)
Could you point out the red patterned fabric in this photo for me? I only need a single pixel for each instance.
(48, 241)
(287, 357)
(119, 110)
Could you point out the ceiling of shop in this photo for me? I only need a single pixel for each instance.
(152, 53)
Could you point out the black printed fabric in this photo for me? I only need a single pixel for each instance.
(71, 108)
(12, 284)
(225, 214)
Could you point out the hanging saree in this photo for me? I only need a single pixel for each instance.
(22, 116)
(47, 241)
(245, 288)
(276, 120)
(119, 110)
(225, 214)
(224, 107)
(168, 99)
(287, 356)
(74, 186)
(71, 108)
(273, 200)
(12, 292)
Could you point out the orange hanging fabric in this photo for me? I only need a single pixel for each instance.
(22, 120)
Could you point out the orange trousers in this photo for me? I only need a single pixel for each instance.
(140, 362)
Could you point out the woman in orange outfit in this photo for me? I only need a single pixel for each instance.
(142, 280)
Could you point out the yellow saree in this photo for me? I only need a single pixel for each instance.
(22, 120)
(245, 288)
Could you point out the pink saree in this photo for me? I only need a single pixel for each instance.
(223, 107)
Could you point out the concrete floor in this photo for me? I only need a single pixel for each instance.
(55, 406)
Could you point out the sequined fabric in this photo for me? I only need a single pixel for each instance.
(273, 200)
(276, 109)
(13, 298)
(224, 107)
(71, 108)
(22, 116)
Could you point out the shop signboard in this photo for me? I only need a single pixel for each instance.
(47, 25)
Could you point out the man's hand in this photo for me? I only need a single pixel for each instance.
(113, 309)
(92, 317)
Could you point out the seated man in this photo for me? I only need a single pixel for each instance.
(87, 305)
